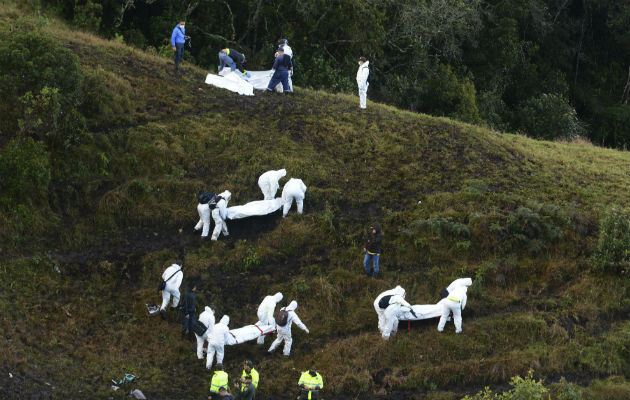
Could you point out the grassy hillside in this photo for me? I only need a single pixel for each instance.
(521, 217)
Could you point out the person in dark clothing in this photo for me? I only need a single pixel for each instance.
(189, 309)
(223, 395)
(233, 59)
(246, 390)
(373, 249)
(280, 72)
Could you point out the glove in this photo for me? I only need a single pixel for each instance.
(290, 72)
(271, 74)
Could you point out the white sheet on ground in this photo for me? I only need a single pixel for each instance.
(258, 79)
(247, 333)
(254, 208)
(232, 82)
(423, 311)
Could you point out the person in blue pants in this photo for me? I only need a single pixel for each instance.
(178, 40)
(189, 311)
(373, 249)
(280, 72)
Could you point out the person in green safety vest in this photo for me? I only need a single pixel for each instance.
(248, 369)
(219, 379)
(311, 383)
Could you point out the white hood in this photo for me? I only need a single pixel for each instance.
(226, 195)
(278, 297)
(292, 306)
(282, 173)
(398, 290)
(225, 320)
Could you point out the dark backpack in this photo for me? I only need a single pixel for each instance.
(199, 328)
(383, 303)
(210, 198)
(369, 78)
(162, 284)
(282, 318)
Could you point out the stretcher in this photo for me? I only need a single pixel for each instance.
(249, 332)
(422, 312)
(254, 209)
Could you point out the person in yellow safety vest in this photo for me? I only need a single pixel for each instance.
(248, 369)
(311, 383)
(219, 379)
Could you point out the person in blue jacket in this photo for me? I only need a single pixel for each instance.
(280, 71)
(178, 40)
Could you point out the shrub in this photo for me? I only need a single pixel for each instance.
(87, 15)
(549, 116)
(522, 389)
(613, 247)
(40, 82)
(25, 172)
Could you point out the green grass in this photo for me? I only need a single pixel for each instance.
(519, 216)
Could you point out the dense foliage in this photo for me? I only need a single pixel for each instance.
(547, 68)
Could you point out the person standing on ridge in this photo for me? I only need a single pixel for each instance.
(189, 311)
(362, 81)
(280, 72)
(373, 249)
(178, 40)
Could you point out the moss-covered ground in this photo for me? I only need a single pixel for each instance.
(519, 216)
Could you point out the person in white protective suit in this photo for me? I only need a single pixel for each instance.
(381, 311)
(216, 341)
(268, 183)
(206, 318)
(265, 312)
(173, 276)
(455, 303)
(362, 81)
(397, 304)
(219, 215)
(294, 189)
(204, 219)
(284, 332)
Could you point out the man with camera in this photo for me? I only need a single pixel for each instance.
(178, 40)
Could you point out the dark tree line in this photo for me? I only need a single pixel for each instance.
(553, 69)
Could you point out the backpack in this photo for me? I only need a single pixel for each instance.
(369, 78)
(210, 198)
(282, 318)
(199, 328)
(384, 302)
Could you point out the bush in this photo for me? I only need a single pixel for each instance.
(550, 117)
(87, 15)
(25, 172)
(613, 247)
(40, 82)
(522, 389)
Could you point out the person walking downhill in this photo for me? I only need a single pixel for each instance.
(178, 40)
(373, 249)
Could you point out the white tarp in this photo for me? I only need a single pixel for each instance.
(423, 311)
(249, 332)
(258, 79)
(254, 208)
(232, 82)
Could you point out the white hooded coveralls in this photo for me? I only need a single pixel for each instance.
(216, 341)
(284, 332)
(219, 215)
(396, 304)
(362, 81)
(268, 183)
(381, 311)
(204, 219)
(455, 303)
(265, 312)
(206, 318)
(294, 189)
(172, 285)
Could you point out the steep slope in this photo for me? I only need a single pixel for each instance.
(518, 216)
